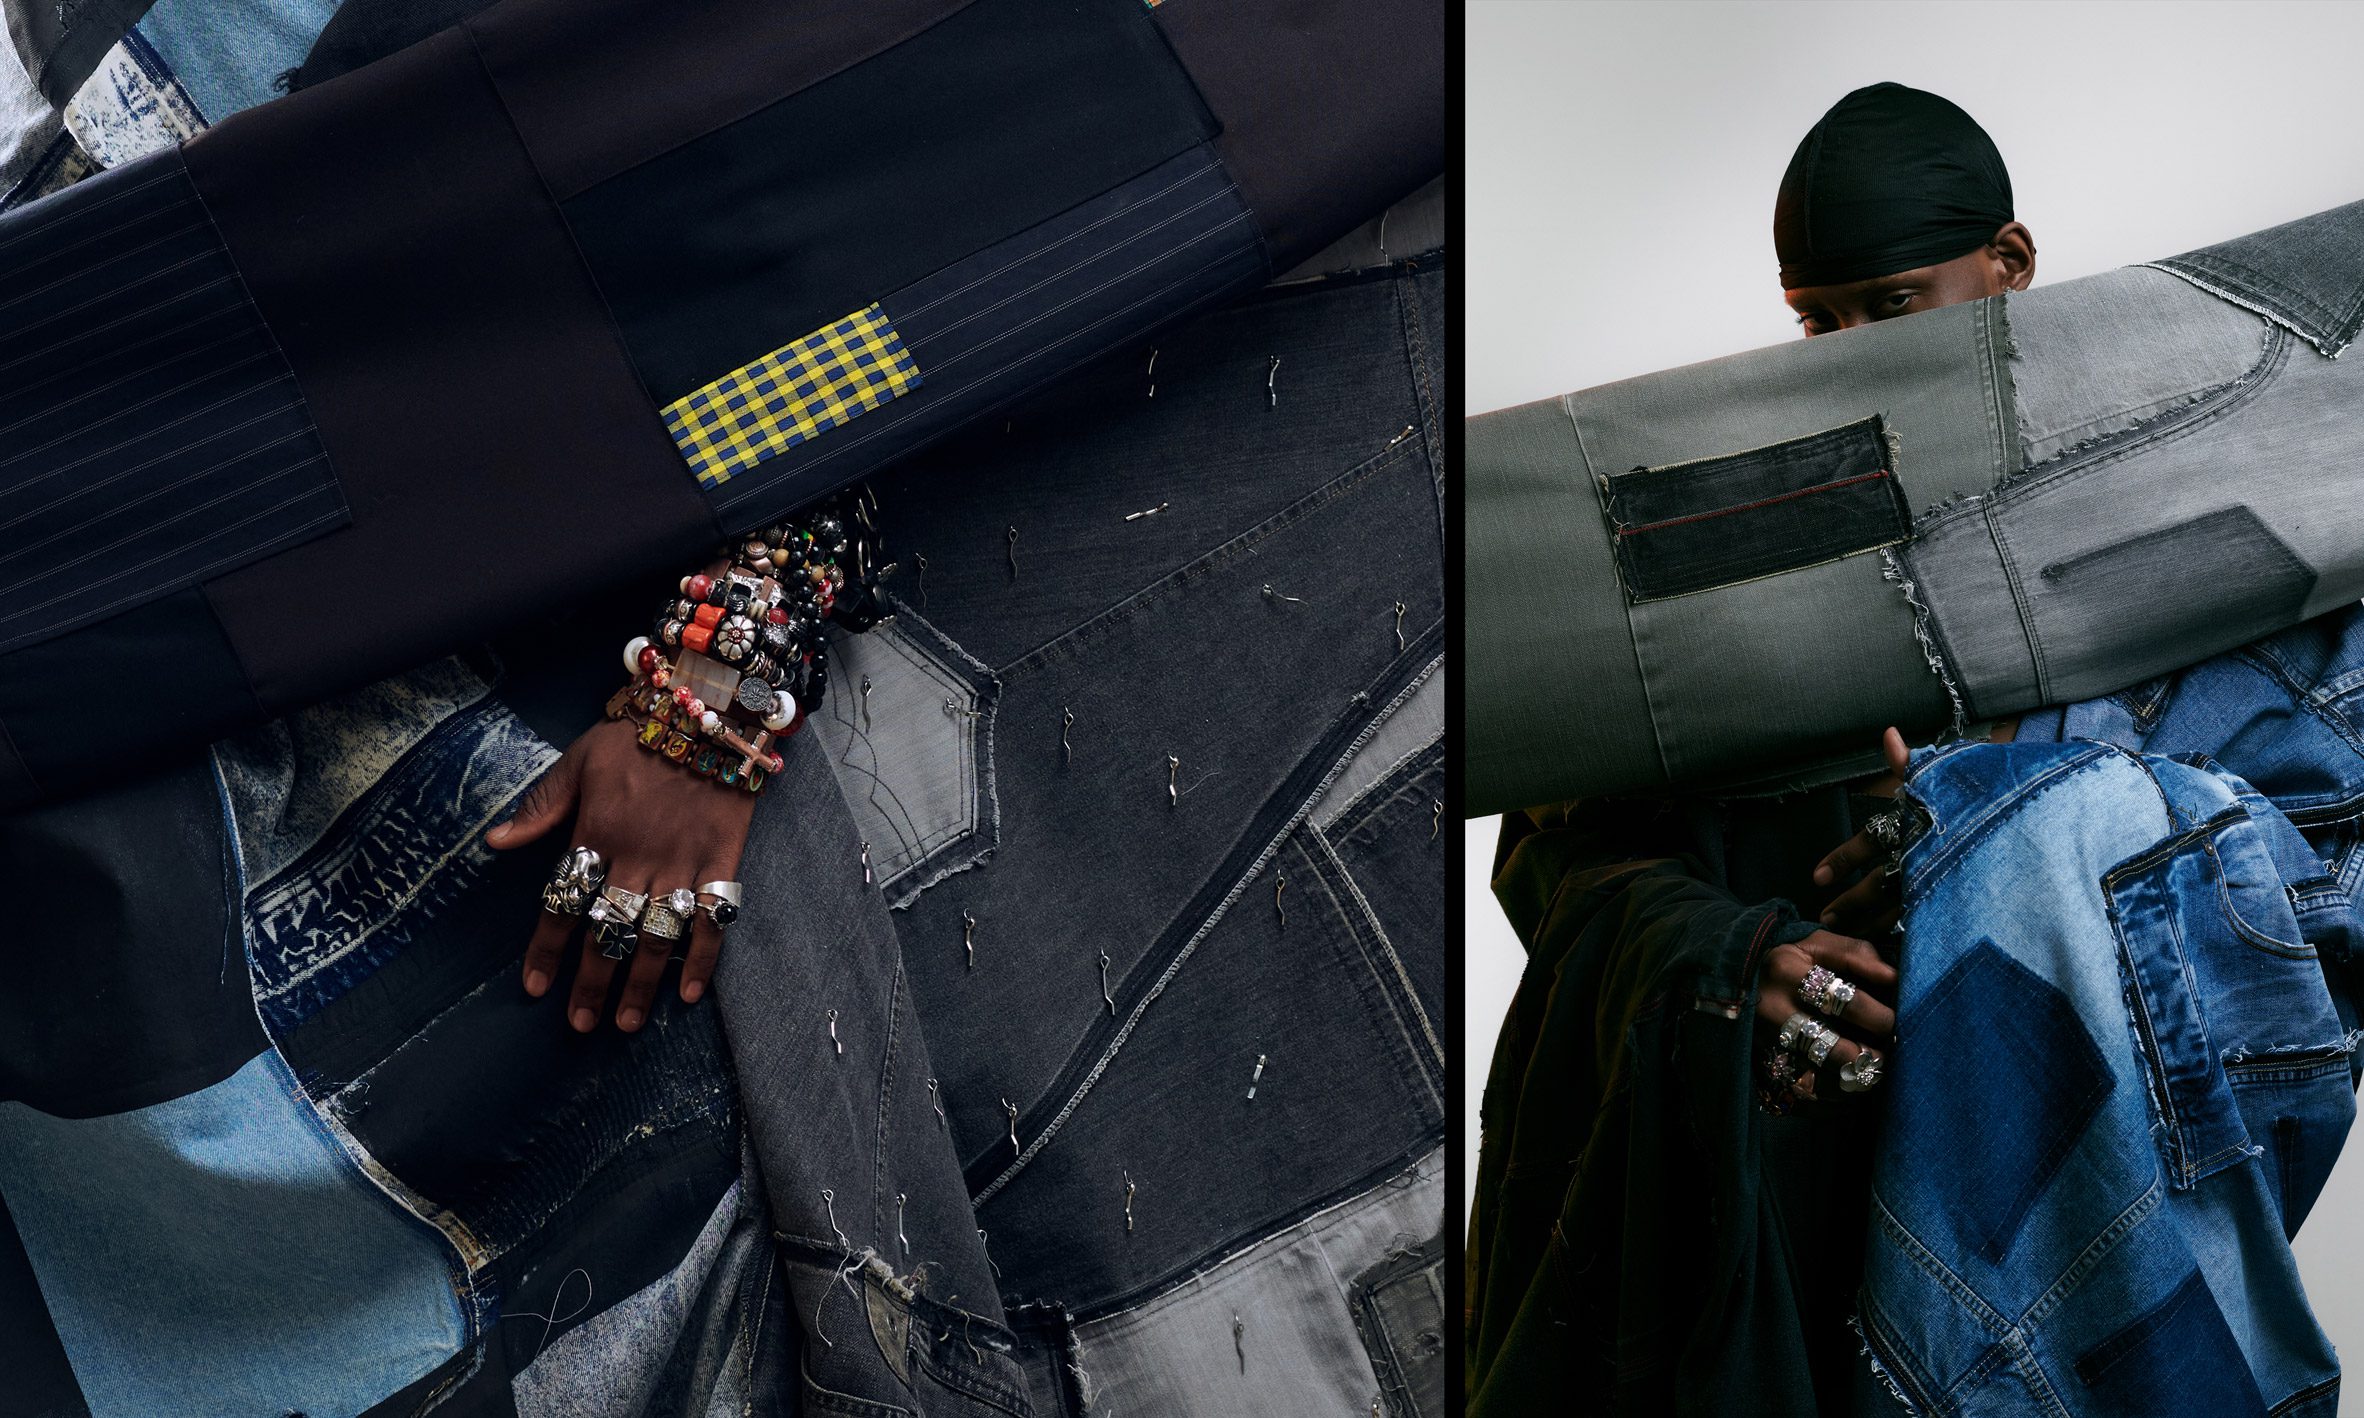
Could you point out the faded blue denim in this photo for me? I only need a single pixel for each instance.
(2083, 1193)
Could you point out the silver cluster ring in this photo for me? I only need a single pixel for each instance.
(1827, 991)
(575, 883)
(1809, 1038)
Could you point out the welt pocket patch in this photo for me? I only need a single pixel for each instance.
(1684, 527)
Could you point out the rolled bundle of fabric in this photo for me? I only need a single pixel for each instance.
(1733, 575)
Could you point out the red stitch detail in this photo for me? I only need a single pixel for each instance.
(1752, 506)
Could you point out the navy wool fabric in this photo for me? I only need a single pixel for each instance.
(173, 455)
(992, 328)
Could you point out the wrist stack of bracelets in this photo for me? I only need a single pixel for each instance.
(737, 660)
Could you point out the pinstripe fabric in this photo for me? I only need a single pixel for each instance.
(997, 325)
(151, 435)
(834, 374)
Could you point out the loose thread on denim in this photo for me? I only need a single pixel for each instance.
(1892, 571)
(1879, 1370)
(553, 1320)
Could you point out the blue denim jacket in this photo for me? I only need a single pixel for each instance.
(2075, 1218)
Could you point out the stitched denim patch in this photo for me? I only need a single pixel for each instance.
(2042, 1084)
(2181, 1357)
(909, 725)
(1399, 1310)
(1684, 527)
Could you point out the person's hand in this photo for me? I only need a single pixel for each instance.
(1870, 906)
(1869, 1018)
(658, 827)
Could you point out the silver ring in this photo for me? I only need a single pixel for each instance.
(1828, 992)
(1821, 1039)
(611, 927)
(1791, 1028)
(1861, 1074)
(668, 916)
(724, 908)
(574, 882)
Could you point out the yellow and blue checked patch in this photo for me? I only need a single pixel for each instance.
(763, 409)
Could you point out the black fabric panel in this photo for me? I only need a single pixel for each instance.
(1691, 526)
(147, 419)
(39, 1381)
(560, 65)
(70, 742)
(145, 998)
(468, 1388)
(497, 449)
(988, 329)
(1331, 109)
(1007, 113)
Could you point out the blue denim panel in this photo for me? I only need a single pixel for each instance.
(2042, 1084)
(2159, 1183)
(247, 1266)
(209, 456)
(228, 57)
(995, 326)
(2307, 274)
(2178, 1358)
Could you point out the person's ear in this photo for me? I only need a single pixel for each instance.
(2015, 255)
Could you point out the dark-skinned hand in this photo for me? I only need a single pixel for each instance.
(659, 827)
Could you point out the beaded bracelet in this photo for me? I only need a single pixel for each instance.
(738, 659)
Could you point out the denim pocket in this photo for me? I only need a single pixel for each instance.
(2203, 916)
(1685, 527)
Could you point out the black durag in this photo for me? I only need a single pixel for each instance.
(1891, 179)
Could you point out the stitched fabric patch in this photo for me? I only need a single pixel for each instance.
(794, 393)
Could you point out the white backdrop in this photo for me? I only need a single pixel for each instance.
(1620, 171)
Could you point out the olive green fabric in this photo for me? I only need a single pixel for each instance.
(1572, 692)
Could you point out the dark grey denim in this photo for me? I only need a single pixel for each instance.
(1245, 712)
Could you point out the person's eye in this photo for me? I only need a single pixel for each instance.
(1898, 300)
(1813, 322)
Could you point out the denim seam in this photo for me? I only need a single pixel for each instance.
(2111, 1236)
(1354, 803)
(465, 1254)
(1409, 998)
(1407, 296)
(1887, 1367)
(1926, 1260)
(1173, 967)
(2224, 268)
(1633, 635)
(985, 696)
(886, 1099)
(1401, 774)
(1964, 835)
(2318, 1389)
(1066, 643)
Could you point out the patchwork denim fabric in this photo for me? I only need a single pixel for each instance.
(1073, 1079)
(2070, 1210)
(177, 1249)
(2066, 448)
